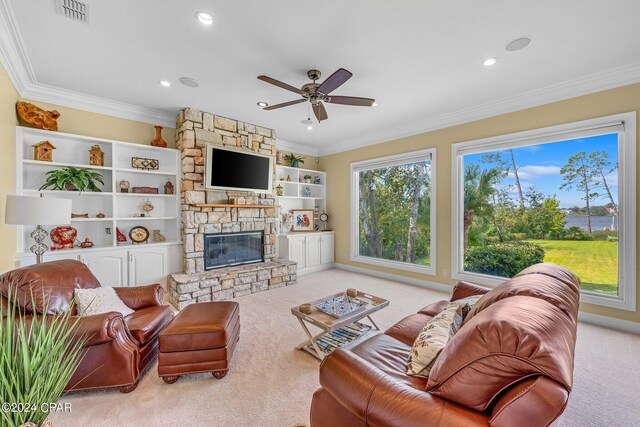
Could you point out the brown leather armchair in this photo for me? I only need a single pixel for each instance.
(510, 364)
(118, 348)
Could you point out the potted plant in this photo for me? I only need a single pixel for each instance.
(72, 179)
(294, 160)
(38, 356)
(307, 179)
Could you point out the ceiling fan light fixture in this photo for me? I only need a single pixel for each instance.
(375, 104)
(489, 62)
(204, 17)
(263, 104)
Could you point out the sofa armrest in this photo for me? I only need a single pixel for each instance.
(376, 397)
(141, 296)
(96, 329)
(466, 289)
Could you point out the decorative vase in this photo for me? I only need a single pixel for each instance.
(158, 141)
(280, 190)
(295, 163)
(63, 237)
(70, 187)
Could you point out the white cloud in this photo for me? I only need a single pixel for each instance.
(534, 171)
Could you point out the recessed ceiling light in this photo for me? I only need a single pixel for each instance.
(489, 62)
(188, 81)
(165, 83)
(309, 127)
(519, 43)
(205, 18)
(262, 104)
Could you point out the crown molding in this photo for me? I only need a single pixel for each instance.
(282, 144)
(15, 60)
(608, 79)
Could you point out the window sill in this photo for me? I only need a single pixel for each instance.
(396, 265)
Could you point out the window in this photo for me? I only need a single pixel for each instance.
(392, 202)
(564, 194)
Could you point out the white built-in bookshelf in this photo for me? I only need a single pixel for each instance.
(299, 194)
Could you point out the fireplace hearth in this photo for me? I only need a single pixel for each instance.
(231, 249)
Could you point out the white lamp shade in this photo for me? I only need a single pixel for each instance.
(28, 210)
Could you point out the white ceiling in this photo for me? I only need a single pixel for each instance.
(421, 59)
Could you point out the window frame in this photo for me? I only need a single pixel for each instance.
(382, 162)
(626, 123)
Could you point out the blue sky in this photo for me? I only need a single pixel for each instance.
(540, 167)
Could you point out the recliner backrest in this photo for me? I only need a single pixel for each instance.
(47, 287)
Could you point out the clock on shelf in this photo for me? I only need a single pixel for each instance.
(139, 234)
(324, 218)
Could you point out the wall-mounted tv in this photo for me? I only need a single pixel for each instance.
(227, 169)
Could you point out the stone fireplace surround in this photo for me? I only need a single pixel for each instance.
(194, 130)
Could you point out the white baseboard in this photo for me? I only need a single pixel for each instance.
(609, 322)
(397, 278)
(315, 269)
(592, 319)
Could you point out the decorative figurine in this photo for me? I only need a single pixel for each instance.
(86, 244)
(279, 158)
(120, 237)
(168, 187)
(96, 156)
(289, 178)
(124, 186)
(316, 179)
(148, 207)
(158, 141)
(306, 192)
(279, 190)
(100, 215)
(158, 237)
(43, 151)
(37, 117)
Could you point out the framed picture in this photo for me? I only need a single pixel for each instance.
(302, 220)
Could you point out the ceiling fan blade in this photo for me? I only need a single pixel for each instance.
(320, 112)
(284, 104)
(334, 81)
(351, 100)
(280, 84)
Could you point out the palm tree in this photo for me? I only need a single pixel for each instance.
(478, 191)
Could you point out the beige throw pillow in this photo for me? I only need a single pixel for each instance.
(100, 300)
(436, 334)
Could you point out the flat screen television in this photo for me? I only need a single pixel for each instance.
(227, 169)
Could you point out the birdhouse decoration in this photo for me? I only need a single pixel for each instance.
(43, 151)
(96, 156)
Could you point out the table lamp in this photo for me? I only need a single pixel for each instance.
(38, 211)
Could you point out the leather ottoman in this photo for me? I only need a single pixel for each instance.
(201, 338)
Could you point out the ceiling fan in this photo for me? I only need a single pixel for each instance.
(316, 93)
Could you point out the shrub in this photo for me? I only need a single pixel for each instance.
(604, 235)
(502, 259)
(612, 238)
(574, 233)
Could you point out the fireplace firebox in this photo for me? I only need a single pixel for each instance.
(227, 249)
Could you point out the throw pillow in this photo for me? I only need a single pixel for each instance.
(435, 335)
(100, 300)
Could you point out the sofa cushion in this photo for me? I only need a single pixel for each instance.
(434, 336)
(100, 300)
(407, 330)
(390, 356)
(550, 282)
(510, 340)
(51, 284)
(146, 323)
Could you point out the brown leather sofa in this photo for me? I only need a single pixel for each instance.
(118, 348)
(510, 364)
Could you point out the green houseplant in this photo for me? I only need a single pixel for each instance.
(72, 179)
(307, 178)
(294, 160)
(38, 356)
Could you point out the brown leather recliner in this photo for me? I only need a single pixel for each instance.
(510, 364)
(118, 348)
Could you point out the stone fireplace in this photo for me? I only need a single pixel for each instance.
(230, 249)
(255, 213)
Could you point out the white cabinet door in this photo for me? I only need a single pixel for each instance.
(326, 245)
(147, 266)
(297, 251)
(313, 251)
(48, 256)
(109, 267)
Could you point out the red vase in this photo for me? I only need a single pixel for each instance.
(63, 237)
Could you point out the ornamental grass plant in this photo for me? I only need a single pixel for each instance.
(38, 356)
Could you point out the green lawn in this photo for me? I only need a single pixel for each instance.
(595, 262)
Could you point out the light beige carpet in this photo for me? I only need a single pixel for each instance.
(270, 384)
